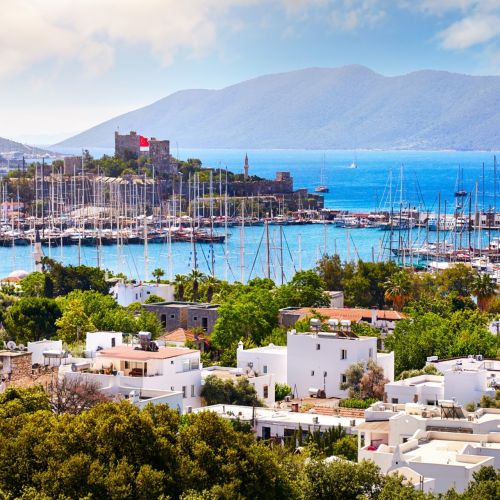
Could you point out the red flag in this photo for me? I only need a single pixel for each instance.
(143, 142)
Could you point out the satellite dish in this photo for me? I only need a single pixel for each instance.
(11, 345)
(21, 347)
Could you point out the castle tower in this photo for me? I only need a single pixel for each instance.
(246, 167)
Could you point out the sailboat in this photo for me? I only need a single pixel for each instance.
(322, 187)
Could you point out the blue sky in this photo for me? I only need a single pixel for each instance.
(66, 65)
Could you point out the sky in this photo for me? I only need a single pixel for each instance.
(66, 65)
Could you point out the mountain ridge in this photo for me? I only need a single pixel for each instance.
(322, 108)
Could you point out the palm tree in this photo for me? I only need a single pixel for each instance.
(158, 273)
(180, 281)
(196, 276)
(398, 289)
(484, 289)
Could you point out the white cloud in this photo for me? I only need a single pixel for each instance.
(34, 31)
(470, 31)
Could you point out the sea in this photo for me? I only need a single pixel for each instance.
(382, 178)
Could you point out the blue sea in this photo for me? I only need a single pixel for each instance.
(415, 178)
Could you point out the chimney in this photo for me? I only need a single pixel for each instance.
(374, 317)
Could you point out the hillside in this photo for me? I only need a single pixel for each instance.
(340, 108)
(8, 146)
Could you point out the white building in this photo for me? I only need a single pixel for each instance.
(279, 423)
(167, 369)
(263, 383)
(423, 389)
(441, 442)
(96, 341)
(319, 360)
(39, 347)
(127, 293)
(262, 360)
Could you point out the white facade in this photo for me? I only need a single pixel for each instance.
(127, 293)
(38, 348)
(262, 360)
(96, 341)
(262, 383)
(448, 447)
(424, 389)
(168, 369)
(320, 360)
(280, 424)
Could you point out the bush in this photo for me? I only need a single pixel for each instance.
(281, 390)
(361, 404)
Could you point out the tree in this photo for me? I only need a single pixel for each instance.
(457, 278)
(195, 277)
(306, 289)
(180, 282)
(154, 299)
(15, 401)
(398, 289)
(329, 269)
(74, 323)
(218, 391)
(158, 273)
(74, 395)
(32, 318)
(33, 285)
(484, 289)
(353, 375)
(373, 381)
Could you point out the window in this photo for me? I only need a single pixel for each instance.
(164, 320)
(370, 353)
(127, 365)
(192, 391)
(394, 401)
(343, 378)
(136, 297)
(113, 342)
(149, 293)
(266, 432)
(318, 347)
(312, 373)
(266, 392)
(172, 388)
(405, 440)
(264, 369)
(204, 323)
(183, 391)
(195, 318)
(172, 316)
(343, 354)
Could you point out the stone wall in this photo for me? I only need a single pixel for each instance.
(20, 366)
(127, 146)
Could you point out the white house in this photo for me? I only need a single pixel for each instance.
(442, 442)
(263, 383)
(39, 347)
(318, 360)
(166, 369)
(424, 389)
(96, 341)
(262, 360)
(127, 293)
(280, 423)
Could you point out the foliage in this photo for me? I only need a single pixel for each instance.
(426, 370)
(154, 299)
(489, 402)
(306, 289)
(158, 274)
(218, 391)
(422, 335)
(398, 289)
(330, 270)
(68, 278)
(365, 381)
(32, 319)
(74, 323)
(15, 401)
(362, 404)
(484, 288)
(353, 376)
(281, 391)
(34, 285)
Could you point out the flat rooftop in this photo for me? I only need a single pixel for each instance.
(281, 417)
(130, 353)
(271, 348)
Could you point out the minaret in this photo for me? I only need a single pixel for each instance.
(37, 253)
(245, 175)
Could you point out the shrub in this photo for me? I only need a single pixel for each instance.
(281, 390)
(361, 404)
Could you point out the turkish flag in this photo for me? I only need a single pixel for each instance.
(143, 142)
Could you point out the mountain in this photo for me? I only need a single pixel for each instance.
(8, 146)
(337, 108)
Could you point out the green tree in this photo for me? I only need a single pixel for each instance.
(32, 318)
(398, 289)
(16, 401)
(158, 274)
(306, 289)
(330, 270)
(484, 289)
(74, 323)
(218, 391)
(180, 283)
(33, 285)
(154, 299)
(281, 391)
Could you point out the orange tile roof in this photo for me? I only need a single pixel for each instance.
(350, 313)
(129, 353)
(181, 335)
